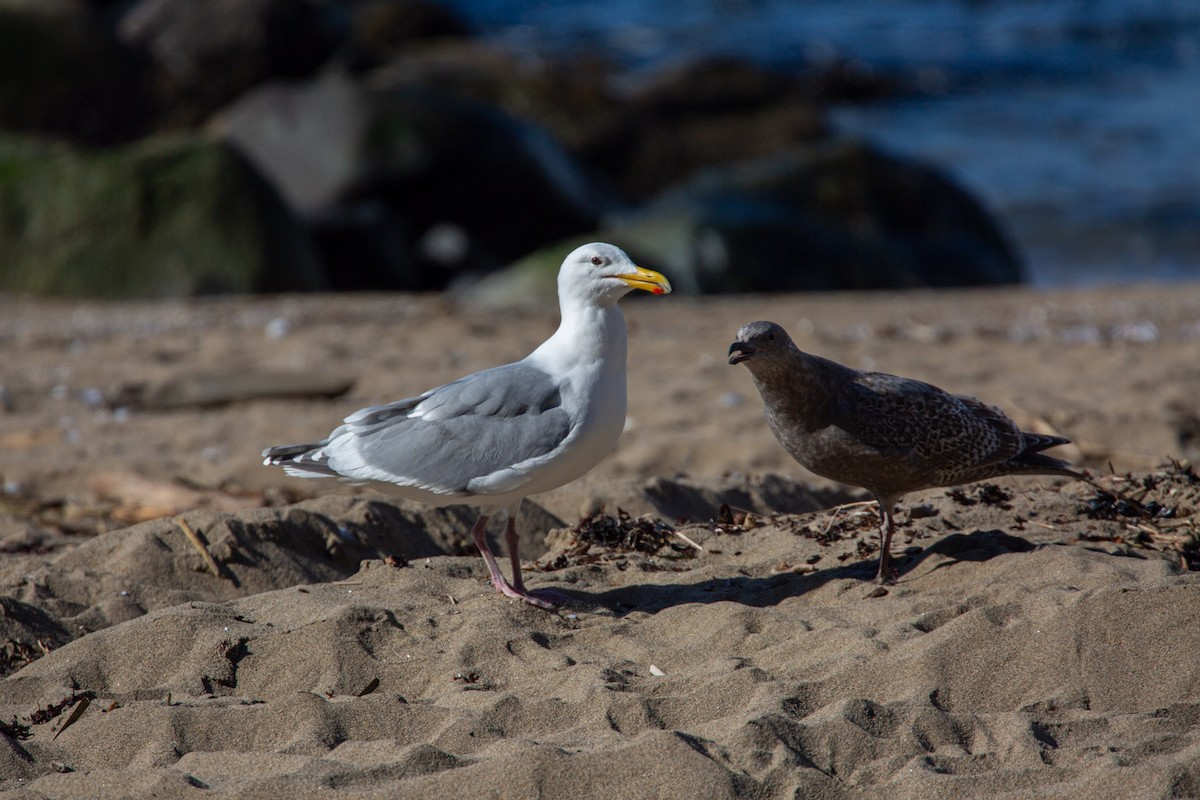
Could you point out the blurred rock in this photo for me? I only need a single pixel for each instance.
(62, 74)
(835, 215)
(711, 112)
(642, 137)
(210, 389)
(419, 158)
(164, 217)
(321, 124)
(207, 53)
(403, 172)
(381, 27)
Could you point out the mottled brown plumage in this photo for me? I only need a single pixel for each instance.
(887, 434)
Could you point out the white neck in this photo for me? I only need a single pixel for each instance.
(589, 334)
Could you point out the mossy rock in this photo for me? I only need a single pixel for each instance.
(162, 218)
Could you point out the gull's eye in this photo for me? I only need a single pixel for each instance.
(597, 261)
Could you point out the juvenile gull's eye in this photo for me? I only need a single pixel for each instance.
(597, 260)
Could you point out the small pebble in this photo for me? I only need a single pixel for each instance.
(278, 328)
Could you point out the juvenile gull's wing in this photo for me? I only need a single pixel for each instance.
(935, 432)
(451, 438)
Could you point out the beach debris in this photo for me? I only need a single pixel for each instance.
(134, 498)
(15, 654)
(656, 672)
(1157, 510)
(76, 712)
(988, 494)
(210, 389)
(77, 702)
(201, 547)
(688, 539)
(15, 729)
(607, 538)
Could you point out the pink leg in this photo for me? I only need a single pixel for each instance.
(511, 541)
(479, 534)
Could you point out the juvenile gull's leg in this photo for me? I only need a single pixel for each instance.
(887, 526)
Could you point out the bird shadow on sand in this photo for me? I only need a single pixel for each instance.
(770, 590)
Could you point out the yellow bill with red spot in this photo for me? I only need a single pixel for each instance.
(648, 281)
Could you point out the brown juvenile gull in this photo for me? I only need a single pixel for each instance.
(887, 434)
(494, 437)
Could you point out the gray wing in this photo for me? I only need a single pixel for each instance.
(937, 433)
(451, 435)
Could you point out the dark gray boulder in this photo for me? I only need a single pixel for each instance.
(834, 215)
(63, 74)
(207, 53)
(423, 185)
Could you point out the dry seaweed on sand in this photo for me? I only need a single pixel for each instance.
(602, 538)
(838, 524)
(1157, 510)
(989, 494)
(15, 729)
(733, 521)
(15, 654)
(20, 728)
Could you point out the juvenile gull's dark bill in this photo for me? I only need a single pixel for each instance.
(494, 437)
(887, 434)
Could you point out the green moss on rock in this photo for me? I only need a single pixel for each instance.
(162, 218)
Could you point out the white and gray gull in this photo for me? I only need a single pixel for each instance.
(887, 434)
(494, 437)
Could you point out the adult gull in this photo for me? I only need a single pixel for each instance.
(494, 437)
(887, 434)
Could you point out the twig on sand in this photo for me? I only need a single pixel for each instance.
(198, 543)
(75, 714)
(833, 515)
(1161, 536)
(688, 539)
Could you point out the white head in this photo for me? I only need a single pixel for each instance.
(602, 274)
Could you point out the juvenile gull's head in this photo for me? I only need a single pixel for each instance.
(759, 341)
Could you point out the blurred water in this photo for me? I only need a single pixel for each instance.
(1077, 121)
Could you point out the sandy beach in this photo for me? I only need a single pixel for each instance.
(178, 620)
